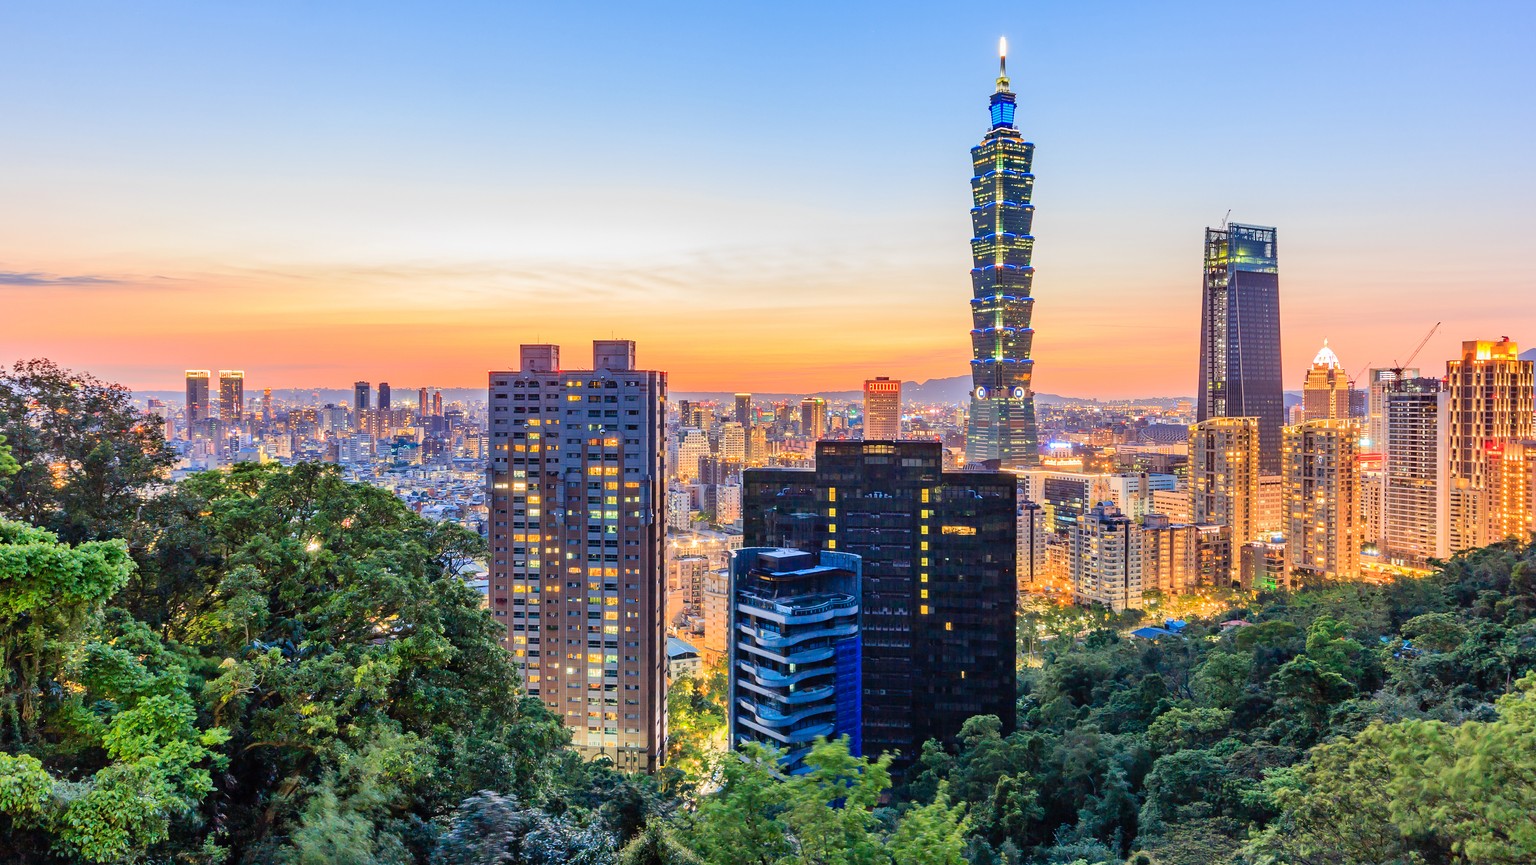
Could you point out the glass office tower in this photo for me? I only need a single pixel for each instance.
(1002, 419)
(1240, 334)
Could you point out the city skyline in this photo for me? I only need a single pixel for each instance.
(344, 213)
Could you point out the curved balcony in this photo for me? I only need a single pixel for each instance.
(797, 613)
(774, 639)
(806, 655)
(789, 737)
(774, 679)
(772, 716)
(803, 695)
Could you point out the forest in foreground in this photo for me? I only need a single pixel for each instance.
(271, 665)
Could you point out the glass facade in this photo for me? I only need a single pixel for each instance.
(1002, 419)
(1240, 334)
(795, 667)
(937, 551)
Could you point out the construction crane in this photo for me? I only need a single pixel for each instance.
(1397, 368)
(1355, 379)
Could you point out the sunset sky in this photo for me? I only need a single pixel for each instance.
(768, 197)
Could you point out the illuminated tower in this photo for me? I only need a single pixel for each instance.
(813, 418)
(1240, 335)
(1224, 476)
(361, 392)
(197, 399)
(882, 409)
(1490, 405)
(1322, 506)
(231, 395)
(1002, 418)
(1325, 391)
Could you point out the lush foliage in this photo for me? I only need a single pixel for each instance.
(293, 673)
(1358, 723)
(85, 456)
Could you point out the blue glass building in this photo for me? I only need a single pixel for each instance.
(1002, 419)
(1240, 374)
(795, 649)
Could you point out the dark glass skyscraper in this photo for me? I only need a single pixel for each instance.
(1002, 419)
(1240, 334)
(938, 551)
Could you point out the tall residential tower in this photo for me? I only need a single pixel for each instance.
(577, 524)
(1002, 418)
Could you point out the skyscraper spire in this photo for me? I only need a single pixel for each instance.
(1002, 63)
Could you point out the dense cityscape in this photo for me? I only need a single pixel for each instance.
(578, 616)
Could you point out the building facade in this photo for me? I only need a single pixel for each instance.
(577, 529)
(938, 551)
(795, 652)
(197, 405)
(1106, 559)
(1001, 425)
(1326, 390)
(882, 409)
(1491, 393)
(1415, 472)
(1322, 498)
(1240, 371)
(231, 396)
(1224, 476)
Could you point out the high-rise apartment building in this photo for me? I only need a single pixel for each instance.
(1034, 537)
(1224, 475)
(1415, 491)
(231, 396)
(938, 553)
(882, 409)
(197, 405)
(1379, 381)
(1512, 467)
(576, 537)
(1326, 390)
(795, 651)
(692, 446)
(1491, 393)
(1001, 425)
(1106, 559)
(813, 418)
(1322, 498)
(1240, 372)
(733, 443)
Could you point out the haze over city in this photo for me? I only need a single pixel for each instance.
(764, 200)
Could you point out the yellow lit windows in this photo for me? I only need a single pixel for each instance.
(923, 609)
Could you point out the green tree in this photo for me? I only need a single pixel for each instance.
(86, 456)
(365, 690)
(100, 752)
(738, 824)
(8, 464)
(829, 810)
(696, 720)
(932, 834)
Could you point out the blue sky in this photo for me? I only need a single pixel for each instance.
(680, 171)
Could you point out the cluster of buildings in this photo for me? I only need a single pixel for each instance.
(857, 568)
(431, 454)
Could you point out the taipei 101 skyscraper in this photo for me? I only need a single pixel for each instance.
(1002, 418)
